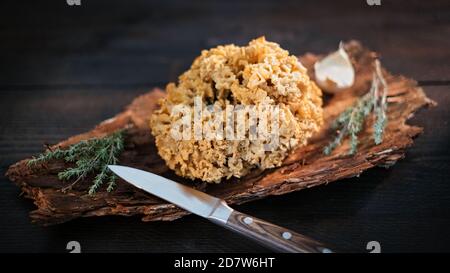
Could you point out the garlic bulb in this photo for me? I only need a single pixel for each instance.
(335, 72)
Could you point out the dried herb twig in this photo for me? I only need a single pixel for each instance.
(351, 121)
(90, 156)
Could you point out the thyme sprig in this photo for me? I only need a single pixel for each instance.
(351, 121)
(90, 156)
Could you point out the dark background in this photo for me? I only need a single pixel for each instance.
(65, 68)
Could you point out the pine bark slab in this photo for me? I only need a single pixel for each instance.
(304, 168)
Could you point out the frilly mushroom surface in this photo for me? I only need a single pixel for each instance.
(259, 73)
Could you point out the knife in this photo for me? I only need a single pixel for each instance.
(216, 210)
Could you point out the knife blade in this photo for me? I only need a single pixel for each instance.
(216, 210)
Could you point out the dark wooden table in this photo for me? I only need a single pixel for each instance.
(66, 68)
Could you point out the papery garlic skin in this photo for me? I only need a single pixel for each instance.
(335, 72)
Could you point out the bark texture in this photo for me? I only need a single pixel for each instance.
(306, 167)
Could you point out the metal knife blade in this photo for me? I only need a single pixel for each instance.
(185, 197)
(216, 210)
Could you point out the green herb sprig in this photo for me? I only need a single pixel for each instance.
(90, 156)
(351, 121)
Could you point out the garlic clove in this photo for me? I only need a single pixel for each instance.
(335, 72)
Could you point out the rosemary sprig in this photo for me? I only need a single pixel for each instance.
(90, 156)
(351, 121)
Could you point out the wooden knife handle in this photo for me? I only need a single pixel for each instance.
(272, 236)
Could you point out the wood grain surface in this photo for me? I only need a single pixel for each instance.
(305, 167)
(273, 237)
(66, 69)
